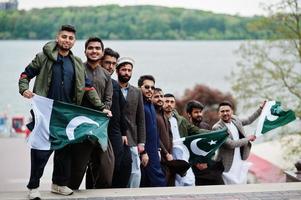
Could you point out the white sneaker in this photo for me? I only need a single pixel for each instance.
(34, 194)
(63, 190)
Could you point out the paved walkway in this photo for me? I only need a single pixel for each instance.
(279, 191)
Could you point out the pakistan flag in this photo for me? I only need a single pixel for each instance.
(58, 124)
(273, 116)
(202, 147)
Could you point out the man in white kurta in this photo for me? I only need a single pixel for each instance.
(239, 168)
(236, 149)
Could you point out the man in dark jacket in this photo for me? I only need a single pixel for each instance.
(59, 76)
(117, 126)
(209, 173)
(194, 110)
(165, 135)
(152, 174)
(134, 117)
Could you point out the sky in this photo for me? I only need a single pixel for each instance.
(239, 7)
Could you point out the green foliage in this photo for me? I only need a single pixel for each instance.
(129, 22)
(271, 69)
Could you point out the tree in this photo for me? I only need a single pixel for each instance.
(271, 69)
(207, 96)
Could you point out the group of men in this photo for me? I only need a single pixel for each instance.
(143, 124)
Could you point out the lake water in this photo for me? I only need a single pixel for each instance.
(176, 65)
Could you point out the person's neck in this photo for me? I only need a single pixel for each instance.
(123, 85)
(157, 107)
(227, 122)
(64, 52)
(93, 64)
(147, 99)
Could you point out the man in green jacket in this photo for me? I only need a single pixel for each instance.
(180, 127)
(60, 76)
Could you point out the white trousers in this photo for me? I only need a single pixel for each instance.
(135, 177)
(180, 152)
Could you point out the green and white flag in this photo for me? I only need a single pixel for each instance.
(273, 116)
(202, 146)
(58, 124)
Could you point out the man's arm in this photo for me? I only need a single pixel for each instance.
(232, 144)
(192, 129)
(254, 116)
(30, 72)
(93, 97)
(140, 121)
(108, 93)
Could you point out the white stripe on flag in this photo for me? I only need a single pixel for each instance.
(266, 112)
(39, 137)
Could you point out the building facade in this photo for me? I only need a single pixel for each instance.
(8, 4)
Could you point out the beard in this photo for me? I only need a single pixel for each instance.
(61, 47)
(197, 119)
(168, 109)
(123, 79)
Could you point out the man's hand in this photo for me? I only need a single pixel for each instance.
(144, 159)
(140, 148)
(251, 138)
(262, 104)
(201, 166)
(169, 157)
(108, 112)
(125, 140)
(28, 94)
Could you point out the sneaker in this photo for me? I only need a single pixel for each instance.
(34, 194)
(63, 190)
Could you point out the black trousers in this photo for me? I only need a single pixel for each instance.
(123, 161)
(61, 166)
(122, 172)
(38, 160)
(210, 176)
(80, 156)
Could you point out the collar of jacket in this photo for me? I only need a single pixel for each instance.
(51, 51)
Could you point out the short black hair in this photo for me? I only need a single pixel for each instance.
(68, 27)
(169, 95)
(158, 90)
(145, 77)
(111, 52)
(193, 104)
(93, 39)
(225, 103)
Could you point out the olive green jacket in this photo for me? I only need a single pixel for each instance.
(41, 69)
(186, 128)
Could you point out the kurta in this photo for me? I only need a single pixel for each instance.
(152, 175)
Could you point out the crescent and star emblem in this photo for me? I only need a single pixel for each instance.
(75, 122)
(196, 150)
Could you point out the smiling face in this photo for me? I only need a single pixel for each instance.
(147, 88)
(158, 98)
(65, 40)
(225, 113)
(94, 51)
